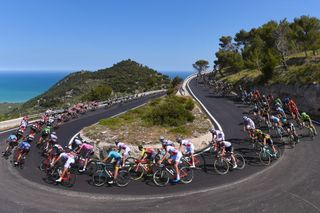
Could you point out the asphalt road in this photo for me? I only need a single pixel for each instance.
(290, 184)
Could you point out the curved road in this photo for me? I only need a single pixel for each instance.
(290, 184)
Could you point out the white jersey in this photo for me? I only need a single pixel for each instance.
(186, 143)
(219, 135)
(250, 124)
(53, 137)
(171, 150)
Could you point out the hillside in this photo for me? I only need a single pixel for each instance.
(125, 77)
(302, 71)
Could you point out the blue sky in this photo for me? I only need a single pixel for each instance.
(93, 34)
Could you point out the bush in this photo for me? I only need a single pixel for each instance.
(172, 111)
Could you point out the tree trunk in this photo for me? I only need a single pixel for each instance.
(284, 62)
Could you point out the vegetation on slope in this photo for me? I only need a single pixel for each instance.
(125, 77)
(276, 52)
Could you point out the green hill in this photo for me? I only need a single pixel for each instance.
(125, 77)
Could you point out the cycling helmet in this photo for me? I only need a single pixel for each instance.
(140, 147)
(54, 133)
(161, 139)
(286, 100)
(284, 120)
(303, 114)
(245, 118)
(212, 130)
(179, 139)
(26, 117)
(116, 142)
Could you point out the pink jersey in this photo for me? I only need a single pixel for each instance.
(86, 147)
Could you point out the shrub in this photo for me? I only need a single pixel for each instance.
(172, 111)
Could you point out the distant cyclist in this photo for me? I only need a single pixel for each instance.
(308, 122)
(23, 149)
(248, 125)
(11, 141)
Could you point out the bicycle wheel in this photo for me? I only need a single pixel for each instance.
(52, 176)
(99, 178)
(123, 178)
(136, 172)
(44, 165)
(311, 134)
(241, 162)
(93, 166)
(278, 153)
(292, 141)
(264, 157)
(161, 177)
(221, 166)
(70, 181)
(186, 175)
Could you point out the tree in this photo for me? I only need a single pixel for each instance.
(201, 66)
(226, 43)
(306, 31)
(270, 61)
(176, 81)
(282, 45)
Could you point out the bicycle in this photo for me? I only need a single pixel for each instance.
(222, 164)
(105, 175)
(21, 162)
(187, 161)
(9, 149)
(266, 154)
(163, 173)
(139, 169)
(54, 173)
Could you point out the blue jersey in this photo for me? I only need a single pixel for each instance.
(115, 155)
(24, 145)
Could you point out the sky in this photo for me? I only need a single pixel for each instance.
(166, 35)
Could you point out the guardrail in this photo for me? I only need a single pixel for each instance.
(9, 124)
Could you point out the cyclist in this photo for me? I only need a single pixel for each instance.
(265, 139)
(307, 122)
(11, 141)
(30, 137)
(75, 144)
(114, 155)
(175, 156)
(126, 152)
(23, 148)
(248, 125)
(189, 149)
(44, 135)
(85, 151)
(289, 127)
(280, 112)
(226, 147)
(217, 136)
(68, 158)
(275, 121)
(293, 108)
(53, 139)
(166, 142)
(24, 122)
(147, 154)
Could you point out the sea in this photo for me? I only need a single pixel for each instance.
(20, 86)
